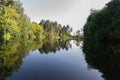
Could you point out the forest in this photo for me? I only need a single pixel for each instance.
(101, 40)
(104, 24)
(101, 43)
(14, 23)
(101, 37)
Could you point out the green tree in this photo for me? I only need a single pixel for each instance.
(9, 24)
(103, 25)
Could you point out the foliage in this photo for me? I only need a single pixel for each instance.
(9, 22)
(55, 30)
(15, 24)
(103, 25)
(37, 30)
(78, 36)
(101, 40)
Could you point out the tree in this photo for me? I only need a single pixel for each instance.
(78, 33)
(103, 25)
(9, 23)
(37, 30)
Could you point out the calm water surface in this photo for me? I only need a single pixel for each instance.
(62, 65)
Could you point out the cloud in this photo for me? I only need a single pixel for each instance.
(72, 12)
(50, 6)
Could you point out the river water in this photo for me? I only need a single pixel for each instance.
(66, 62)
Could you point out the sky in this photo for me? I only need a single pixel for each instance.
(71, 12)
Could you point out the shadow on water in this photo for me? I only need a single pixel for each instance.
(105, 57)
(12, 52)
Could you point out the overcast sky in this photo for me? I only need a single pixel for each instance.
(72, 12)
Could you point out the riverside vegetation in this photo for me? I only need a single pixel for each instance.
(104, 25)
(15, 24)
(102, 40)
(18, 35)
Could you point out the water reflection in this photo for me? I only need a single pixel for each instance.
(54, 45)
(12, 52)
(10, 58)
(105, 57)
(34, 60)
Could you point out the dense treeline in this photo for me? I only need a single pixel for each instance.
(104, 24)
(15, 24)
(55, 30)
(101, 40)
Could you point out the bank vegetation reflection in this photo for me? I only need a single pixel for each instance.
(12, 52)
(105, 57)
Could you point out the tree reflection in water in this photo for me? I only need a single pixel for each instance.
(105, 57)
(12, 52)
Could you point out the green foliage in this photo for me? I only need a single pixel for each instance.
(55, 30)
(101, 40)
(9, 22)
(15, 24)
(6, 36)
(103, 25)
(37, 30)
(78, 36)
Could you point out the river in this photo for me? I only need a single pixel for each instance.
(53, 61)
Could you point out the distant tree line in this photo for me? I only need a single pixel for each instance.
(15, 24)
(55, 30)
